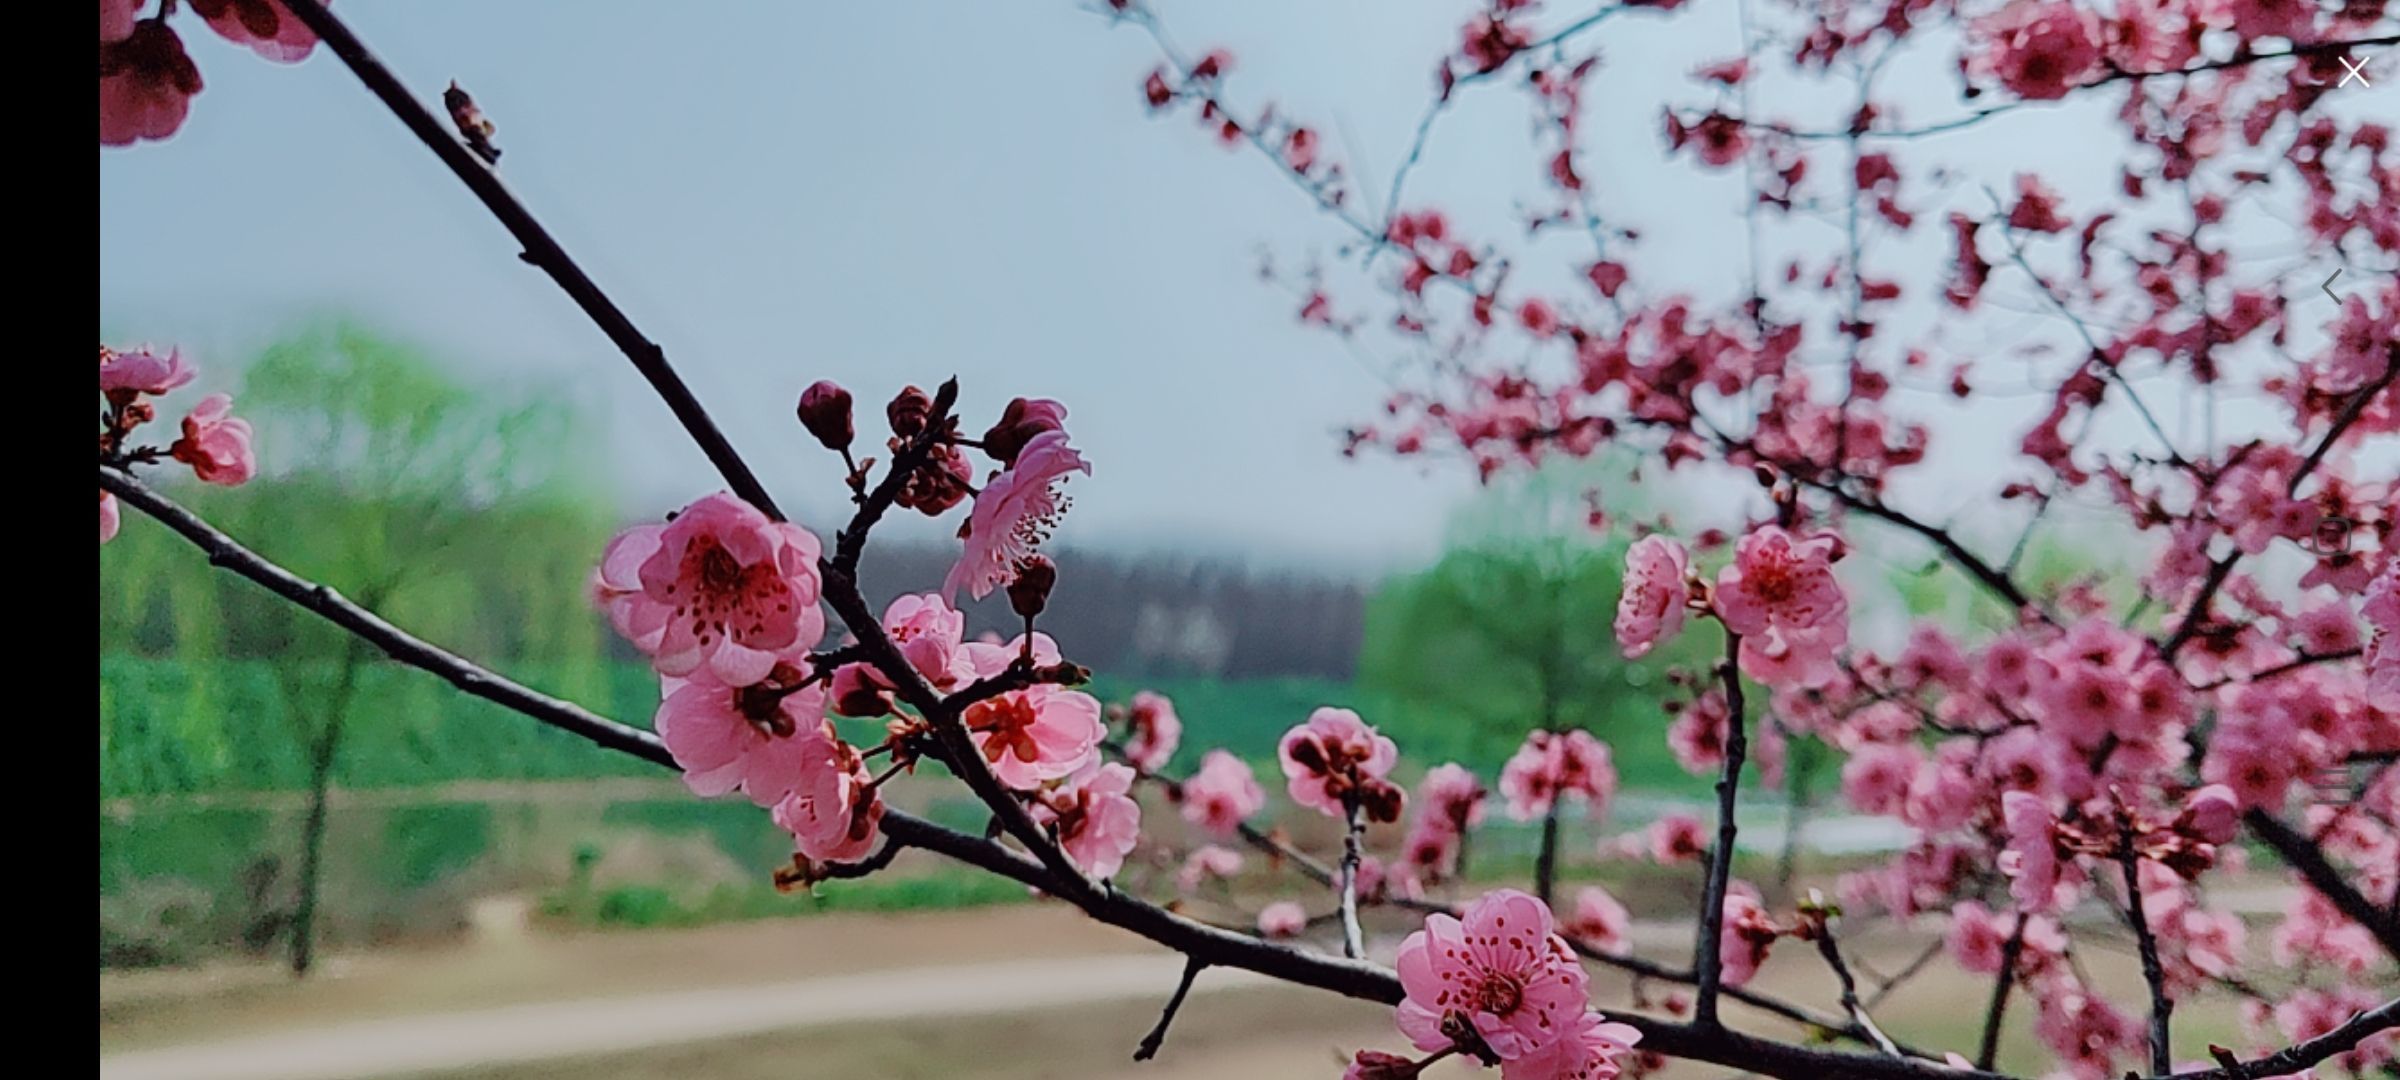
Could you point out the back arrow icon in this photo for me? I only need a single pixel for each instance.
(2328, 286)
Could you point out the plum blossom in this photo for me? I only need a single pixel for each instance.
(1207, 862)
(2031, 858)
(721, 585)
(116, 19)
(2382, 610)
(1776, 580)
(1550, 766)
(142, 371)
(2038, 49)
(108, 517)
(1014, 514)
(1282, 919)
(834, 808)
(1651, 608)
(1097, 819)
(1749, 931)
(1039, 733)
(1449, 802)
(1335, 759)
(1591, 1049)
(261, 25)
(215, 443)
(1599, 920)
(1221, 793)
(1500, 969)
(1155, 731)
(1677, 838)
(754, 738)
(147, 83)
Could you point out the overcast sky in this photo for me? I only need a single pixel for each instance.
(891, 193)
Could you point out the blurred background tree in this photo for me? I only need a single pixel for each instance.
(460, 511)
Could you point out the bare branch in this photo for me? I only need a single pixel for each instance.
(1707, 959)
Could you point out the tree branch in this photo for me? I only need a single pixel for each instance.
(2162, 1007)
(2307, 859)
(541, 249)
(1158, 1034)
(1707, 958)
(1353, 939)
(1993, 1016)
(2300, 1056)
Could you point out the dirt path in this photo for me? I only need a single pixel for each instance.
(522, 1033)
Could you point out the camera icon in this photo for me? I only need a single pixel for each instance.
(2331, 536)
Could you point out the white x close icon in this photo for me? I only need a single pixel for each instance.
(2357, 69)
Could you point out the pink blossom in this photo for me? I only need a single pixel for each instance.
(1978, 939)
(262, 25)
(147, 83)
(108, 517)
(1221, 793)
(1876, 779)
(2212, 815)
(1677, 838)
(1014, 514)
(1591, 1049)
(1656, 592)
(1096, 818)
(1156, 731)
(215, 443)
(721, 585)
(1778, 581)
(1553, 765)
(1039, 733)
(116, 19)
(1207, 862)
(1501, 969)
(2031, 859)
(930, 635)
(1282, 919)
(2382, 611)
(2038, 49)
(1334, 759)
(1599, 920)
(1749, 932)
(1451, 793)
(755, 738)
(141, 371)
(834, 808)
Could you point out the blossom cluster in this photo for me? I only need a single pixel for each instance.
(213, 441)
(147, 80)
(726, 602)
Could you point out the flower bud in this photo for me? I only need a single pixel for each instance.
(909, 411)
(825, 412)
(1019, 423)
(1031, 589)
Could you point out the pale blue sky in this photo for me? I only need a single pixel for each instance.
(888, 193)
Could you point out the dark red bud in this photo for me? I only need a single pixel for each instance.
(1030, 592)
(825, 412)
(909, 411)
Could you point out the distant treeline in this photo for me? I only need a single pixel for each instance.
(1164, 616)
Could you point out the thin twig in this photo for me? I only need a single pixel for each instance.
(1158, 1034)
(1832, 952)
(1353, 939)
(1707, 958)
(2002, 985)
(2162, 1006)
